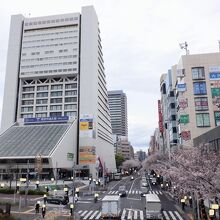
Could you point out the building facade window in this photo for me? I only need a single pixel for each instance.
(202, 120)
(70, 93)
(59, 100)
(41, 101)
(71, 99)
(56, 87)
(70, 113)
(198, 73)
(27, 102)
(58, 93)
(41, 115)
(42, 94)
(41, 108)
(201, 103)
(26, 109)
(42, 88)
(53, 114)
(69, 107)
(28, 89)
(199, 88)
(71, 86)
(56, 107)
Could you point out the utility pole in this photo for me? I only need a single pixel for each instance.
(185, 47)
(56, 176)
(27, 183)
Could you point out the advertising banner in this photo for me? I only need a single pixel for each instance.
(184, 119)
(183, 103)
(181, 87)
(86, 126)
(87, 155)
(214, 72)
(185, 135)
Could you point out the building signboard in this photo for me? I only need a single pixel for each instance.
(215, 92)
(70, 156)
(53, 119)
(184, 119)
(86, 126)
(87, 155)
(181, 87)
(214, 73)
(183, 103)
(186, 135)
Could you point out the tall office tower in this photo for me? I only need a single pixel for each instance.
(55, 79)
(118, 111)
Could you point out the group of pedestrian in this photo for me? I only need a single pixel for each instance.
(43, 209)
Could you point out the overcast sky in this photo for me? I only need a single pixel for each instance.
(140, 41)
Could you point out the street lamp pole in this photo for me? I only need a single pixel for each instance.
(27, 183)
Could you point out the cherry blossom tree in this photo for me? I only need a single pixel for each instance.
(128, 164)
(190, 169)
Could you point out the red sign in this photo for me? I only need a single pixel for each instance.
(185, 135)
(183, 103)
(160, 117)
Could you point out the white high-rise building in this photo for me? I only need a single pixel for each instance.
(55, 74)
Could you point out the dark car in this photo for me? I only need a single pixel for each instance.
(61, 200)
(122, 191)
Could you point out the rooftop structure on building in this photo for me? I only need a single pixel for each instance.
(58, 106)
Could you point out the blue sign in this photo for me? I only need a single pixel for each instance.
(181, 87)
(46, 120)
(214, 76)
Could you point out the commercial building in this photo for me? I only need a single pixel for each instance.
(118, 111)
(141, 155)
(58, 110)
(190, 100)
(124, 147)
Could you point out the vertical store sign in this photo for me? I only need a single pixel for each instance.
(160, 117)
(214, 76)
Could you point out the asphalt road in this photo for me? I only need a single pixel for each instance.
(132, 206)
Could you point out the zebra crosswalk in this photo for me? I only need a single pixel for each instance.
(134, 192)
(127, 214)
(171, 215)
(132, 214)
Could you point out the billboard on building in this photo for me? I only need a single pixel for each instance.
(186, 135)
(184, 119)
(87, 155)
(86, 126)
(214, 76)
(183, 103)
(52, 119)
(181, 87)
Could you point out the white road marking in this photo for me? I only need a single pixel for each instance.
(88, 214)
(141, 215)
(123, 214)
(116, 192)
(179, 216)
(83, 213)
(93, 215)
(79, 211)
(98, 216)
(166, 215)
(135, 214)
(172, 215)
(160, 192)
(129, 214)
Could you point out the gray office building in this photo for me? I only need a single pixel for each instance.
(118, 111)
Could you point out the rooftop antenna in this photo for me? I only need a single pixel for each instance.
(184, 46)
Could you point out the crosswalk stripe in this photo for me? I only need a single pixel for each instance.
(116, 192)
(123, 214)
(84, 213)
(160, 192)
(98, 216)
(166, 215)
(172, 215)
(137, 192)
(179, 216)
(79, 211)
(156, 192)
(88, 214)
(141, 215)
(133, 192)
(94, 214)
(129, 214)
(135, 214)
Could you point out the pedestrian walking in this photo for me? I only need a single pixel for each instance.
(37, 207)
(43, 211)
